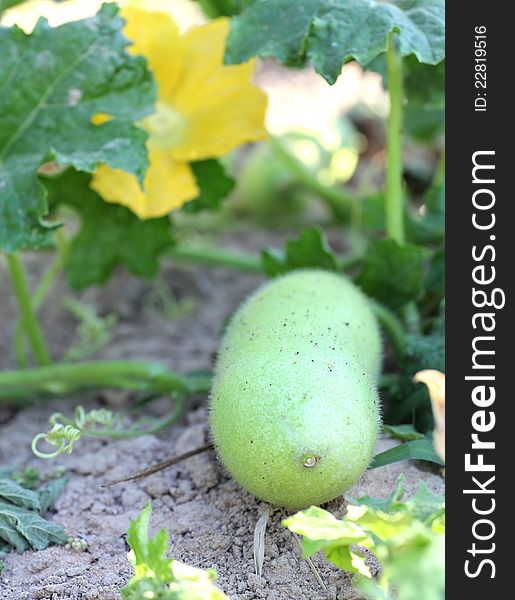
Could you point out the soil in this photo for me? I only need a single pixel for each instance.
(210, 520)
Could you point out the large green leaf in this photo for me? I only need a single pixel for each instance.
(110, 234)
(21, 524)
(392, 273)
(52, 82)
(13, 492)
(422, 351)
(37, 531)
(332, 32)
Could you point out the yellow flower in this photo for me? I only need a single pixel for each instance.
(435, 381)
(204, 110)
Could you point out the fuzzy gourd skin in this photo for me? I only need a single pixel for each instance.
(294, 404)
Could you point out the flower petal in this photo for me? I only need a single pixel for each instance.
(435, 381)
(222, 106)
(168, 185)
(156, 36)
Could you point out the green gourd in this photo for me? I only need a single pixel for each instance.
(294, 406)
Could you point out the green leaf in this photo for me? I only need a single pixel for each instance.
(149, 553)
(13, 492)
(425, 505)
(348, 560)
(426, 351)
(435, 278)
(320, 528)
(392, 273)
(424, 123)
(424, 116)
(422, 351)
(52, 82)
(28, 478)
(414, 450)
(160, 577)
(405, 433)
(407, 537)
(424, 85)
(431, 227)
(333, 32)
(420, 565)
(30, 527)
(372, 212)
(9, 533)
(310, 250)
(4, 551)
(214, 183)
(110, 234)
(21, 525)
(323, 531)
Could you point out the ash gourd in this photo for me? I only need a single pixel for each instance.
(294, 403)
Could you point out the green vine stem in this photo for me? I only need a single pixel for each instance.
(65, 432)
(28, 315)
(394, 192)
(151, 378)
(342, 204)
(216, 257)
(40, 294)
(242, 261)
